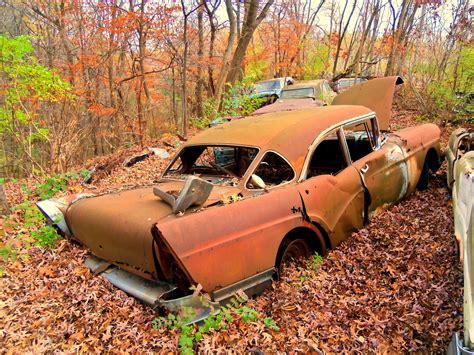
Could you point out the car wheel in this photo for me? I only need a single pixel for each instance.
(272, 99)
(424, 177)
(293, 250)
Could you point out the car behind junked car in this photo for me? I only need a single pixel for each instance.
(460, 176)
(240, 200)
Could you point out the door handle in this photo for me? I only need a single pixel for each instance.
(364, 169)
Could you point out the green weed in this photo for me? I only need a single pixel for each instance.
(191, 334)
(46, 236)
(7, 253)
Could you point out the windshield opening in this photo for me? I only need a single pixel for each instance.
(221, 165)
(297, 93)
(267, 86)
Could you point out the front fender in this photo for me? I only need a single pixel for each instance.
(221, 245)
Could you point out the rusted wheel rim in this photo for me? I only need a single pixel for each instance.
(296, 250)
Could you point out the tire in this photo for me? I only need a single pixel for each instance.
(424, 177)
(293, 250)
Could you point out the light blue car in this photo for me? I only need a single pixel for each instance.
(271, 89)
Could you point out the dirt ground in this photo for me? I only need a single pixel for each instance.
(393, 286)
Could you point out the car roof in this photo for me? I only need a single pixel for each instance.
(289, 133)
(305, 84)
(273, 79)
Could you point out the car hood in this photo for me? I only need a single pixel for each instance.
(117, 227)
(376, 94)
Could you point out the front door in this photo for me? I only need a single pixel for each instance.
(332, 190)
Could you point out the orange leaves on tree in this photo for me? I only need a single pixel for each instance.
(101, 110)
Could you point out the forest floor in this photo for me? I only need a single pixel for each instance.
(394, 286)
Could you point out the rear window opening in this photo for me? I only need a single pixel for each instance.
(217, 164)
(298, 93)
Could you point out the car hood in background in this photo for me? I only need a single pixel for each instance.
(376, 94)
(266, 93)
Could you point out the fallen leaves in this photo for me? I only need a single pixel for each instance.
(395, 286)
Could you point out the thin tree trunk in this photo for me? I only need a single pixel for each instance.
(341, 34)
(199, 83)
(227, 52)
(4, 208)
(251, 20)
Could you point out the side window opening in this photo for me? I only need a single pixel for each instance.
(360, 139)
(273, 170)
(328, 158)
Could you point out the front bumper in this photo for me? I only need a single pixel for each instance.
(456, 347)
(154, 294)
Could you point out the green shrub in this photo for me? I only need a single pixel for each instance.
(33, 215)
(239, 101)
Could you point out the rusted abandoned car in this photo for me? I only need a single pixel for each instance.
(460, 158)
(316, 89)
(241, 199)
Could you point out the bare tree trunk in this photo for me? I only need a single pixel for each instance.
(462, 8)
(4, 209)
(173, 97)
(342, 33)
(184, 113)
(227, 52)
(199, 83)
(251, 20)
(400, 32)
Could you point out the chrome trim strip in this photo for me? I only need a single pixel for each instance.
(249, 284)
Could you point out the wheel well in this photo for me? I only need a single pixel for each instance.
(302, 232)
(433, 160)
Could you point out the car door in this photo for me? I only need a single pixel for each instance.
(331, 189)
(381, 166)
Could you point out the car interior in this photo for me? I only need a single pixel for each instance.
(328, 158)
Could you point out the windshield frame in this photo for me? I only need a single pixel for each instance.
(276, 84)
(182, 177)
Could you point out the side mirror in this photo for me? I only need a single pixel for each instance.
(257, 181)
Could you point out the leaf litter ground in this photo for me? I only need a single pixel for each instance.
(394, 286)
